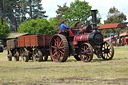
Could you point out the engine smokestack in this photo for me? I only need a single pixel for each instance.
(94, 20)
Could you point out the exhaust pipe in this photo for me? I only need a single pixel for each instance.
(94, 20)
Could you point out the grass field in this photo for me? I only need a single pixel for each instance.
(71, 72)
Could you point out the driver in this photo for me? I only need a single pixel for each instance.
(63, 26)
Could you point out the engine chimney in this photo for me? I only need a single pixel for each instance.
(94, 20)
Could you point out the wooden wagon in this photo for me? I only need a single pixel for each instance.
(34, 47)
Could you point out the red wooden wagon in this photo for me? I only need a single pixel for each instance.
(34, 47)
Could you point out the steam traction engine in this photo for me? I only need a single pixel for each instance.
(81, 42)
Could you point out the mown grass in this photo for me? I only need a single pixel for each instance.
(71, 72)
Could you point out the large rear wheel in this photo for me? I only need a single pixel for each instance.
(59, 49)
(86, 52)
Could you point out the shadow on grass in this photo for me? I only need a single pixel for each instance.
(74, 60)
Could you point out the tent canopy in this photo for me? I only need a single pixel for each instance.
(112, 26)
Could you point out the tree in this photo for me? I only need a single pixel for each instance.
(13, 9)
(61, 15)
(6, 9)
(53, 23)
(61, 12)
(19, 10)
(35, 9)
(115, 16)
(80, 10)
(36, 26)
(4, 30)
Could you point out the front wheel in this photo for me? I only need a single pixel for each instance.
(86, 52)
(107, 50)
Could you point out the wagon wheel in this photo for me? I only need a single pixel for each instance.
(77, 58)
(59, 49)
(24, 55)
(16, 56)
(86, 52)
(107, 51)
(9, 56)
(37, 55)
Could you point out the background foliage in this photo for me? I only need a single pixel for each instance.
(4, 30)
(115, 16)
(36, 26)
(21, 10)
(78, 11)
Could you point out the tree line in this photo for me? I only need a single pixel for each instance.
(20, 10)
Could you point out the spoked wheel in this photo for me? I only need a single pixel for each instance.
(37, 55)
(9, 56)
(59, 49)
(86, 52)
(77, 58)
(107, 51)
(16, 55)
(24, 55)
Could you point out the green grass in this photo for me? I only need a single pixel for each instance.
(71, 72)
